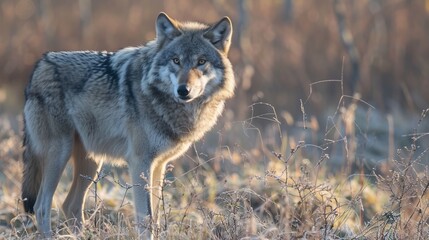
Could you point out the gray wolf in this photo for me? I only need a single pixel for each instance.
(145, 105)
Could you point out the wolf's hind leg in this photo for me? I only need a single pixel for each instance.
(54, 162)
(84, 169)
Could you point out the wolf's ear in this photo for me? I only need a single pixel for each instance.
(220, 34)
(166, 28)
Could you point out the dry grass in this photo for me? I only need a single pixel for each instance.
(255, 183)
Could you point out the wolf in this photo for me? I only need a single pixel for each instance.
(143, 106)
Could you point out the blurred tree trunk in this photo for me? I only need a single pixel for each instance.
(375, 52)
(287, 10)
(85, 18)
(245, 67)
(242, 21)
(43, 11)
(349, 45)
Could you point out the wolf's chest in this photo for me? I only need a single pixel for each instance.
(191, 124)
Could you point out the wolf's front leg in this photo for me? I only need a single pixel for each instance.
(157, 175)
(139, 170)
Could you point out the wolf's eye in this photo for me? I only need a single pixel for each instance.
(201, 62)
(176, 61)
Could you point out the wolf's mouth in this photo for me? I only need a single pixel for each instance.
(185, 98)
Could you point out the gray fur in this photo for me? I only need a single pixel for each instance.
(122, 105)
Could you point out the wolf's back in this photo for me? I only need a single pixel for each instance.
(68, 70)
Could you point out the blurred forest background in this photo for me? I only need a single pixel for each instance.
(379, 48)
(280, 47)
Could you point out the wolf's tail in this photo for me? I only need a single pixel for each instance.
(32, 176)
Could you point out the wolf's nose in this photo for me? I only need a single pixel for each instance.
(183, 90)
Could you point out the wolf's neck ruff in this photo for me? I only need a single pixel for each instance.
(186, 121)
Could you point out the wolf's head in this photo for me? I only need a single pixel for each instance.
(191, 60)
